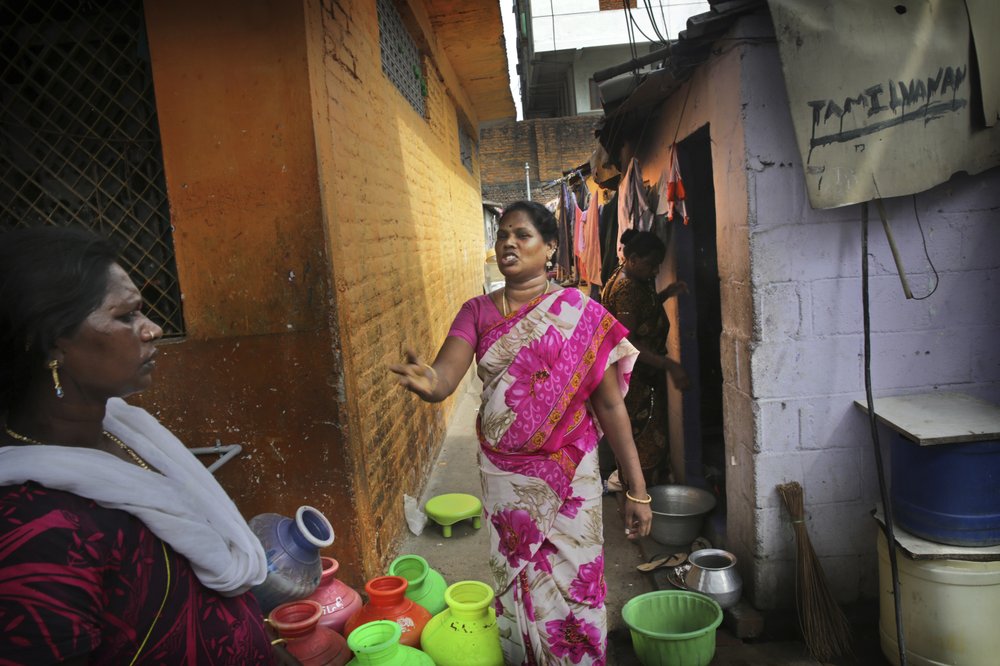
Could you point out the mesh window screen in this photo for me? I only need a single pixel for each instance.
(79, 135)
(400, 57)
(466, 146)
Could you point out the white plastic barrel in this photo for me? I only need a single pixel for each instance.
(949, 607)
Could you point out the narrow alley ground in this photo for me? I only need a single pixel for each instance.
(463, 556)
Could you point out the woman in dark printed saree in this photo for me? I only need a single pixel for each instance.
(117, 546)
(554, 366)
(630, 295)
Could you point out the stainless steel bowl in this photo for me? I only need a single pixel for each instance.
(678, 513)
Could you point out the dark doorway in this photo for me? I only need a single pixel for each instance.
(700, 319)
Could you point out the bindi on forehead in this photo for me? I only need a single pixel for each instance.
(517, 225)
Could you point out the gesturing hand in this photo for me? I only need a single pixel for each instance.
(415, 375)
(679, 287)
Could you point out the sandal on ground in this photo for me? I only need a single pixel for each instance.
(660, 562)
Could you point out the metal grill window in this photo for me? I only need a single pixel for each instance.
(400, 56)
(466, 146)
(79, 135)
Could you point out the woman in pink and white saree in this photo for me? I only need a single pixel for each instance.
(554, 366)
(541, 487)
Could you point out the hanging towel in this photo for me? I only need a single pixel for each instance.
(578, 236)
(609, 238)
(590, 258)
(633, 207)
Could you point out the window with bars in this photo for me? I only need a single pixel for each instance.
(400, 56)
(80, 139)
(466, 147)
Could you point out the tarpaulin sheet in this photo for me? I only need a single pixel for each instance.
(882, 96)
(984, 17)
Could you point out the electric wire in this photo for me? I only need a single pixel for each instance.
(552, 19)
(873, 424)
(652, 20)
(923, 238)
(628, 11)
(680, 117)
(629, 31)
(664, 17)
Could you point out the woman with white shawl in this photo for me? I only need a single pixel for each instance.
(116, 545)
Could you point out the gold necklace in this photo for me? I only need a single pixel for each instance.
(124, 447)
(506, 308)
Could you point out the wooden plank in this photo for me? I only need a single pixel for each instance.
(938, 417)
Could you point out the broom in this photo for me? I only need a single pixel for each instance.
(823, 623)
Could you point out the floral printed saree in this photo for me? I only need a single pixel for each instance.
(541, 486)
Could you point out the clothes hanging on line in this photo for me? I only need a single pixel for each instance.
(633, 205)
(609, 238)
(671, 190)
(565, 217)
(590, 257)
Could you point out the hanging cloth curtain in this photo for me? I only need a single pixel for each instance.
(590, 258)
(609, 235)
(671, 189)
(564, 251)
(579, 239)
(633, 207)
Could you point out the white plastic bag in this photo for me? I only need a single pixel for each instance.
(416, 519)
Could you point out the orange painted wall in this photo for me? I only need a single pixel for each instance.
(404, 218)
(321, 226)
(259, 364)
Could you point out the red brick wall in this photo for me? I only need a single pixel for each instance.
(549, 145)
(609, 5)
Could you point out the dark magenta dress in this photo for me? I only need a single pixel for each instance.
(78, 579)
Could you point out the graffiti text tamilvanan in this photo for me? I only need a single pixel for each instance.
(888, 105)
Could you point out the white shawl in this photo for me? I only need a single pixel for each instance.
(185, 506)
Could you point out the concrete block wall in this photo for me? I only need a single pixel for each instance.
(806, 353)
(404, 230)
(548, 145)
(791, 343)
(712, 98)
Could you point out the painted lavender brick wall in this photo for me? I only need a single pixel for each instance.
(806, 349)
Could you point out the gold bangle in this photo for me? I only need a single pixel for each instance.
(648, 500)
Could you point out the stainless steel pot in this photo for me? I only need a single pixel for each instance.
(678, 513)
(713, 573)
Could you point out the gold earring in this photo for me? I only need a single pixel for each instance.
(54, 367)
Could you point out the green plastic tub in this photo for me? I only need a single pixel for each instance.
(673, 627)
